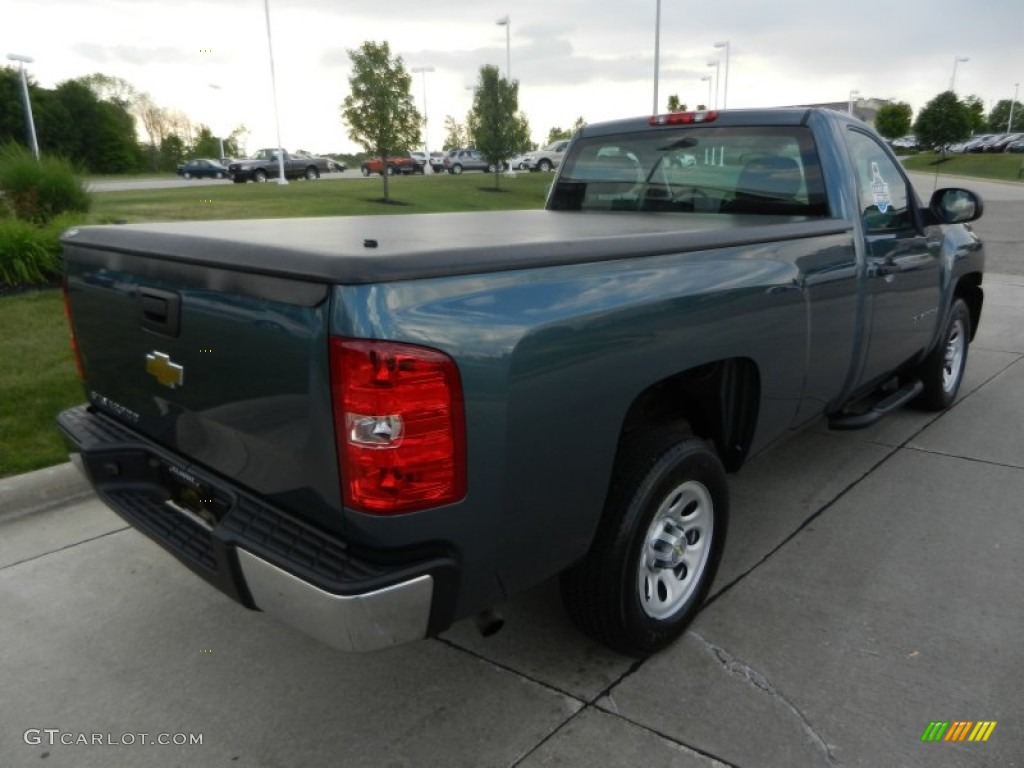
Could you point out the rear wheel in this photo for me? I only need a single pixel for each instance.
(544, 165)
(657, 547)
(943, 369)
(312, 174)
(364, 170)
(219, 175)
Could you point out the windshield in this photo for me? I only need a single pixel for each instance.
(765, 170)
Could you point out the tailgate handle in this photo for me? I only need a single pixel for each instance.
(159, 311)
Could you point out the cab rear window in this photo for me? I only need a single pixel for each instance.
(741, 170)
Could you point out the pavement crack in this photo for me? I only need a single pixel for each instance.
(737, 668)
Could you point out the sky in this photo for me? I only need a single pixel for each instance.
(572, 59)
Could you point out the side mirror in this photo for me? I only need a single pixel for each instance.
(955, 206)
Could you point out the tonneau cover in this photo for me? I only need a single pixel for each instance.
(372, 249)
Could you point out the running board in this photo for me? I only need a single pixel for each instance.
(882, 408)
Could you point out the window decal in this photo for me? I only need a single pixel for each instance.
(879, 189)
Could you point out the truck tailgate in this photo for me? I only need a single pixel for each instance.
(224, 367)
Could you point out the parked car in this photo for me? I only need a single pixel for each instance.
(266, 164)
(336, 166)
(421, 159)
(548, 158)
(976, 144)
(459, 160)
(399, 164)
(518, 163)
(202, 168)
(1000, 143)
(904, 142)
(437, 162)
(1016, 146)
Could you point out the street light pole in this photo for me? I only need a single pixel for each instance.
(1016, 90)
(30, 124)
(952, 80)
(715, 64)
(426, 139)
(273, 85)
(657, 54)
(849, 106)
(708, 78)
(725, 91)
(507, 24)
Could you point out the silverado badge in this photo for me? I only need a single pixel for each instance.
(163, 370)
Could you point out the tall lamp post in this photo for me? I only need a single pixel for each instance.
(273, 86)
(849, 104)
(708, 78)
(30, 124)
(657, 54)
(715, 64)
(1016, 90)
(725, 90)
(952, 80)
(507, 24)
(220, 139)
(426, 138)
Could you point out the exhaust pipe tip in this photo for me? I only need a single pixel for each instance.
(489, 622)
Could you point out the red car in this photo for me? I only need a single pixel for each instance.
(403, 164)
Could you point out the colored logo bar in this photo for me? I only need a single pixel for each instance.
(958, 730)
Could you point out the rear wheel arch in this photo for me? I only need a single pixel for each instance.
(718, 401)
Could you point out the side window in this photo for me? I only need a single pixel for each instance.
(884, 201)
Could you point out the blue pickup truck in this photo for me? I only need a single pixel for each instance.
(372, 427)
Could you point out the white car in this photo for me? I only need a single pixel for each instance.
(548, 158)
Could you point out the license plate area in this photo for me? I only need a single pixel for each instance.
(194, 497)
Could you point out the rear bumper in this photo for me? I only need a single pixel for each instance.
(263, 557)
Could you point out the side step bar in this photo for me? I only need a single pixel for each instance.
(882, 408)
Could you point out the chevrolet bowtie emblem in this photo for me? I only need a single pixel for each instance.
(163, 370)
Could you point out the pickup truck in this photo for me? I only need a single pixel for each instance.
(372, 427)
(401, 164)
(264, 165)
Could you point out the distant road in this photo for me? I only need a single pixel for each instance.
(141, 184)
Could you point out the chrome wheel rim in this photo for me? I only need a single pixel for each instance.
(675, 550)
(953, 360)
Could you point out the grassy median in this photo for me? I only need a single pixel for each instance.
(348, 196)
(37, 373)
(1001, 166)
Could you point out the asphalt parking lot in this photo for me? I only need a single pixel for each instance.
(872, 584)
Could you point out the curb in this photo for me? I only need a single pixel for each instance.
(40, 490)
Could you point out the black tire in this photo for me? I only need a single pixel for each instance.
(491, 168)
(259, 176)
(186, 175)
(544, 165)
(312, 174)
(666, 488)
(219, 175)
(943, 370)
(364, 170)
(456, 169)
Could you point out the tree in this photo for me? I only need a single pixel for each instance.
(893, 119)
(495, 104)
(557, 134)
(976, 110)
(999, 117)
(943, 121)
(674, 105)
(455, 134)
(380, 112)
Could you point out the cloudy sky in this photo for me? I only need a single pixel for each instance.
(593, 59)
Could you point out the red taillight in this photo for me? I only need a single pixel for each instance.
(71, 327)
(399, 424)
(684, 118)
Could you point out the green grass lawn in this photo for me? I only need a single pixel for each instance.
(349, 196)
(1003, 166)
(37, 380)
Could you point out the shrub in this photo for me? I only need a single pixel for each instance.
(39, 190)
(28, 254)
